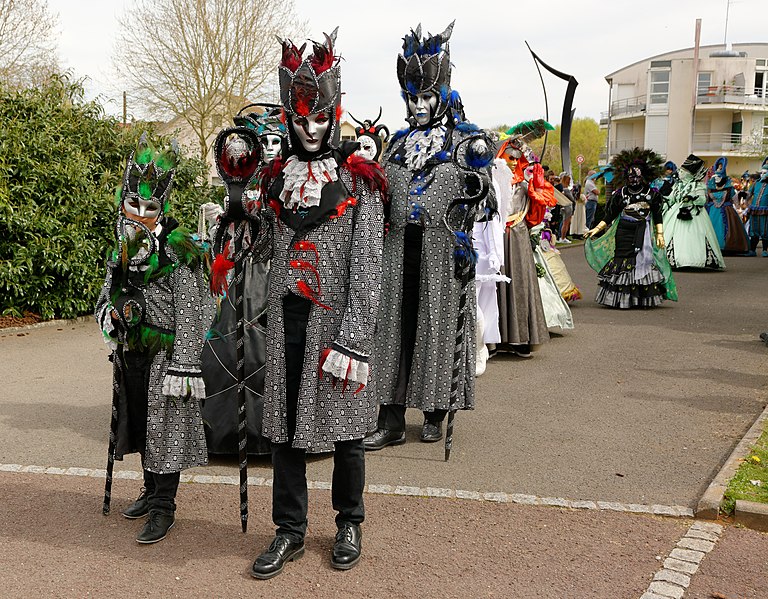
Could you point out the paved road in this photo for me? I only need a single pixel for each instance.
(631, 407)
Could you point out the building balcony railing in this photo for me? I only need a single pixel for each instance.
(732, 94)
(728, 143)
(626, 144)
(626, 106)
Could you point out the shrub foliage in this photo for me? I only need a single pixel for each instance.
(61, 160)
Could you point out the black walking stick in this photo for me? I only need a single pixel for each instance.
(477, 155)
(238, 154)
(116, 376)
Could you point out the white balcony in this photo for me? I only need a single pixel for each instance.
(734, 144)
(628, 107)
(754, 97)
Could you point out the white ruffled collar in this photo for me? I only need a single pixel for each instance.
(421, 145)
(303, 181)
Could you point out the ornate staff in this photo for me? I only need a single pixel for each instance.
(478, 154)
(238, 154)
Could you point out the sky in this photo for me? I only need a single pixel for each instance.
(492, 68)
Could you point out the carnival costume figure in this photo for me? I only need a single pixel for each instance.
(556, 309)
(728, 226)
(371, 137)
(691, 240)
(758, 213)
(321, 215)
(525, 196)
(426, 334)
(154, 311)
(219, 360)
(633, 270)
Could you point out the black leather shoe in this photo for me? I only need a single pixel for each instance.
(156, 528)
(346, 549)
(381, 438)
(139, 508)
(430, 432)
(271, 562)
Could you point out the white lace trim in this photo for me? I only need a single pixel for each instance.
(303, 181)
(343, 367)
(183, 386)
(420, 146)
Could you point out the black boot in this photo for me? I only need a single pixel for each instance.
(271, 562)
(140, 507)
(431, 432)
(158, 525)
(346, 549)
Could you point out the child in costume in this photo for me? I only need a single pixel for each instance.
(154, 311)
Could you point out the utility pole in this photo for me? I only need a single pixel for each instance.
(125, 109)
(695, 93)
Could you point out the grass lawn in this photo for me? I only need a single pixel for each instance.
(753, 468)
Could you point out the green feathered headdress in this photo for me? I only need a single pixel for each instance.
(527, 131)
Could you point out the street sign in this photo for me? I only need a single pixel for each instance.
(579, 158)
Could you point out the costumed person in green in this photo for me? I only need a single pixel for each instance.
(154, 310)
(691, 240)
(632, 266)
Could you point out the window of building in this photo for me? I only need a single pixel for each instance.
(761, 81)
(659, 87)
(765, 131)
(703, 83)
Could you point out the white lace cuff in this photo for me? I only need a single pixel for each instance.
(343, 367)
(183, 386)
(108, 327)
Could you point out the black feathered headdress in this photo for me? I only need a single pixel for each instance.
(649, 162)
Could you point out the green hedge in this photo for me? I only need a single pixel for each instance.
(61, 160)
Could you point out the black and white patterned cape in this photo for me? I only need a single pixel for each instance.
(179, 302)
(433, 188)
(348, 264)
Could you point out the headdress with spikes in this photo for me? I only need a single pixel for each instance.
(313, 84)
(648, 161)
(425, 66)
(148, 178)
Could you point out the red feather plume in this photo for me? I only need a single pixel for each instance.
(322, 56)
(221, 266)
(292, 55)
(370, 172)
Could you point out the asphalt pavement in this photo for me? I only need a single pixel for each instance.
(631, 409)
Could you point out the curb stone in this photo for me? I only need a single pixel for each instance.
(752, 514)
(46, 323)
(672, 580)
(709, 504)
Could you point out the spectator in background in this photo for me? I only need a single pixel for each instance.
(556, 211)
(566, 212)
(591, 192)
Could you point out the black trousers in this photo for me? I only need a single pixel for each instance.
(289, 487)
(392, 416)
(160, 488)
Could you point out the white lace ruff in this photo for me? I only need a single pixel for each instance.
(303, 181)
(420, 146)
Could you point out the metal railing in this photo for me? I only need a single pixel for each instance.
(731, 94)
(626, 144)
(628, 105)
(727, 142)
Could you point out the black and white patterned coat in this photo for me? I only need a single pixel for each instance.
(180, 303)
(348, 265)
(432, 187)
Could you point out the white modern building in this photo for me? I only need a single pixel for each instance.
(675, 105)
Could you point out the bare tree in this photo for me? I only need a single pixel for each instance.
(198, 60)
(27, 53)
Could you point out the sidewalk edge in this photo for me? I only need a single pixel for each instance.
(709, 504)
(47, 323)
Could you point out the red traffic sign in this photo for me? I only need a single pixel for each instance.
(579, 158)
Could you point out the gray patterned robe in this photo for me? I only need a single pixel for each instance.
(429, 386)
(348, 263)
(181, 303)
